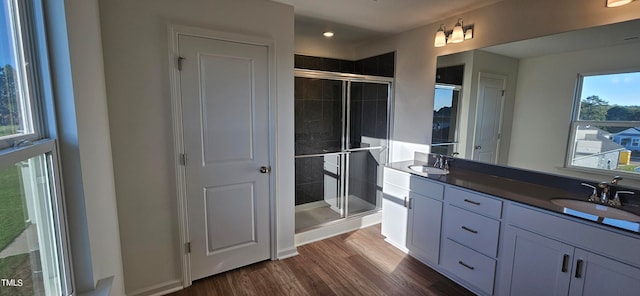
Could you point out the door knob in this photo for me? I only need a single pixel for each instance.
(477, 147)
(265, 169)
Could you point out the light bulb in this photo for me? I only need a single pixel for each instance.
(457, 35)
(441, 38)
(616, 3)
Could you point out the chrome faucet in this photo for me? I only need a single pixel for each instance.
(615, 202)
(594, 194)
(605, 193)
(439, 161)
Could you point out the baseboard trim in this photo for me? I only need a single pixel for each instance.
(159, 289)
(284, 254)
(336, 228)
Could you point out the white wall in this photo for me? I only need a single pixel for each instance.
(502, 22)
(544, 102)
(135, 45)
(84, 140)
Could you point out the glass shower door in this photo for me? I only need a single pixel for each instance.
(367, 145)
(319, 151)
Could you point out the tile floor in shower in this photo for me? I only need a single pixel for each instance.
(313, 214)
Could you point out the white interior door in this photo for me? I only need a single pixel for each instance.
(225, 103)
(488, 118)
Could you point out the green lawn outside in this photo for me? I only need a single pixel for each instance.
(12, 212)
(6, 130)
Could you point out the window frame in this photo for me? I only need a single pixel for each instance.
(43, 140)
(454, 144)
(576, 121)
(28, 74)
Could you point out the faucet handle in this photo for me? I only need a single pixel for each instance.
(616, 200)
(615, 180)
(594, 194)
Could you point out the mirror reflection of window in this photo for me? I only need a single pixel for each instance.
(445, 119)
(606, 129)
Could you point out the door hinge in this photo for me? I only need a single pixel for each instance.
(183, 159)
(180, 59)
(503, 92)
(187, 247)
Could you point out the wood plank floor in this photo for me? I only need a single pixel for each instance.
(355, 263)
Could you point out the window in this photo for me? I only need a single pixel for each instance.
(33, 238)
(445, 119)
(605, 131)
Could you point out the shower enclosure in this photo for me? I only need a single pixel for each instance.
(341, 139)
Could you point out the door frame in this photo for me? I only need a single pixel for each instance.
(174, 31)
(475, 120)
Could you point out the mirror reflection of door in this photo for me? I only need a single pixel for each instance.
(488, 117)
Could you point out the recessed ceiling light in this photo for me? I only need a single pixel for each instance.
(328, 34)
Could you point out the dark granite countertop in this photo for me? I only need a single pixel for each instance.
(520, 191)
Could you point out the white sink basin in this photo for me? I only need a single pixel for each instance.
(428, 170)
(596, 209)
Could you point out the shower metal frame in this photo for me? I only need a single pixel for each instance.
(347, 79)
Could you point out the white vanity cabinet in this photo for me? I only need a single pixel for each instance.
(470, 235)
(535, 264)
(412, 214)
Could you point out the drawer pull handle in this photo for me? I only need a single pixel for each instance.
(565, 263)
(405, 201)
(469, 229)
(466, 265)
(472, 202)
(579, 269)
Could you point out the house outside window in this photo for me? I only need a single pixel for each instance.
(445, 119)
(605, 130)
(34, 257)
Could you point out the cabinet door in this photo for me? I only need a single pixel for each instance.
(535, 265)
(596, 275)
(394, 219)
(425, 218)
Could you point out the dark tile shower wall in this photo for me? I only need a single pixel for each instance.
(309, 180)
(363, 176)
(318, 129)
(318, 116)
(369, 111)
(381, 65)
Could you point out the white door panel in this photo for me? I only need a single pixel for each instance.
(225, 97)
(488, 119)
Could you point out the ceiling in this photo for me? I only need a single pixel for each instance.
(596, 37)
(356, 20)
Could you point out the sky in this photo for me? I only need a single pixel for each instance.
(6, 56)
(442, 98)
(617, 89)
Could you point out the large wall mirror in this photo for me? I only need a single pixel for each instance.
(516, 105)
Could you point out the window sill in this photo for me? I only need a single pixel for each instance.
(629, 179)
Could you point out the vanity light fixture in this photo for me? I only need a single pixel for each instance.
(616, 3)
(327, 34)
(457, 35)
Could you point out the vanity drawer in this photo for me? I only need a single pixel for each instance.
(468, 265)
(472, 230)
(414, 183)
(474, 202)
(397, 178)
